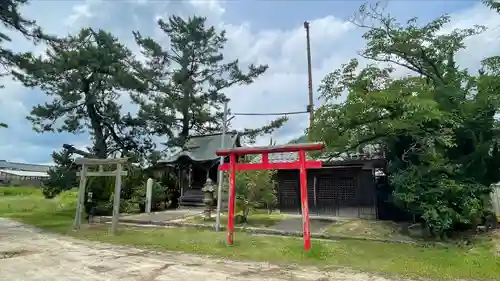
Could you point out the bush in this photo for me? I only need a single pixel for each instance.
(158, 197)
(254, 190)
(444, 204)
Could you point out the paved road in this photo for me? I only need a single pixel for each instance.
(28, 254)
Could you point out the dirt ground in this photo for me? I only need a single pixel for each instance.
(29, 254)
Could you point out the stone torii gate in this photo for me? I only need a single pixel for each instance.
(302, 164)
(84, 173)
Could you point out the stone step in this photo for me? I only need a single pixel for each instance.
(191, 204)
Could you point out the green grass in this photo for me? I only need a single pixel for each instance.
(254, 220)
(29, 206)
(475, 263)
(370, 229)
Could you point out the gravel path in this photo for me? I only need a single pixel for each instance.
(29, 254)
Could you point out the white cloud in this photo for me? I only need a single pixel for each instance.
(282, 88)
(143, 2)
(81, 12)
(480, 46)
(210, 7)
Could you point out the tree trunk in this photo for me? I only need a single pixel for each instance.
(100, 141)
(95, 120)
(99, 187)
(245, 213)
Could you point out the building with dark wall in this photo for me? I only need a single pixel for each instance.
(344, 187)
(12, 173)
(339, 189)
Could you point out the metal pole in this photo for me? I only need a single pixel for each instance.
(221, 173)
(310, 107)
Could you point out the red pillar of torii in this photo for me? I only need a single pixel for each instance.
(302, 164)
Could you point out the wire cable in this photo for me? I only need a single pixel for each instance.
(267, 114)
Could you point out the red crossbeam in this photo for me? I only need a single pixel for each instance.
(271, 149)
(271, 166)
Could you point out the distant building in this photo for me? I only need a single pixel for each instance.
(20, 174)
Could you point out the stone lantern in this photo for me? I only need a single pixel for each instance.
(208, 200)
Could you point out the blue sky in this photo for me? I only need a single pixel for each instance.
(265, 32)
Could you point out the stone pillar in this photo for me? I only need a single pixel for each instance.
(208, 190)
(149, 195)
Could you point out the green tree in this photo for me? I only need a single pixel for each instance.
(254, 190)
(435, 126)
(62, 176)
(494, 5)
(186, 81)
(13, 20)
(84, 76)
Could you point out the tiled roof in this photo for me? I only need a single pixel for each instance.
(25, 173)
(369, 152)
(203, 148)
(23, 167)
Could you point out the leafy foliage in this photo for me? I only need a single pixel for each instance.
(13, 20)
(492, 4)
(99, 195)
(84, 76)
(436, 126)
(62, 176)
(254, 190)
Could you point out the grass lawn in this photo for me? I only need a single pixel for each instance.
(476, 263)
(254, 220)
(370, 229)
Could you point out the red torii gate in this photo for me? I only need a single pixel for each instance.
(302, 164)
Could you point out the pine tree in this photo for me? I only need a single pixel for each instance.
(12, 19)
(187, 79)
(62, 176)
(85, 75)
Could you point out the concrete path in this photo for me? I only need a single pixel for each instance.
(29, 254)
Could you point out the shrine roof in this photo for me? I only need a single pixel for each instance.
(203, 148)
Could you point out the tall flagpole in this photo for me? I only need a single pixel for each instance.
(221, 173)
(310, 107)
